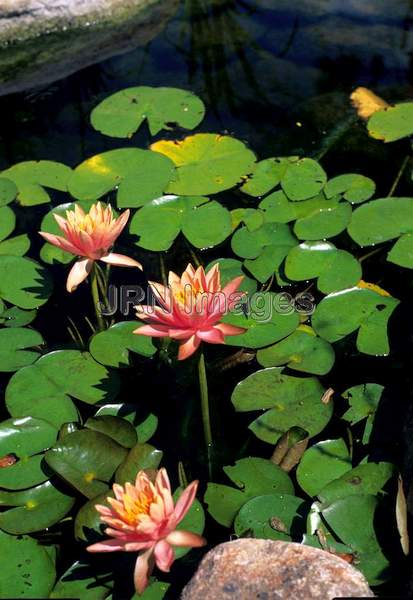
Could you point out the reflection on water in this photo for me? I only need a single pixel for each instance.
(260, 66)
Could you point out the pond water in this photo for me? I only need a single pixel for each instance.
(277, 75)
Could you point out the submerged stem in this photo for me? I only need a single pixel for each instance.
(95, 297)
(203, 389)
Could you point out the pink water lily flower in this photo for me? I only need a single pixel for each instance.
(142, 518)
(191, 308)
(90, 236)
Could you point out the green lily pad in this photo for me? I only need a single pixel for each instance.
(88, 526)
(8, 191)
(193, 521)
(15, 316)
(231, 268)
(34, 509)
(271, 517)
(364, 400)
(369, 314)
(7, 222)
(322, 463)
(251, 217)
(43, 389)
(303, 178)
(392, 123)
(25, 438)
(324, 223)
(121, 114)
(30, 571)
(383, 220)
(145, 429)
(32, 177)
(138, 175)
(14, 344)
(203, 223)
(24, 282)
(87, 460)
(112, 346)
(206, 163)
(15, 246)
(267, 319)
(82, 580)
(368, 478)
(355, 188)
(302, 351)
(335, 269)
(292, 401)
(141, 456)
(253, 477)
(264, 248)
(264, 177)
(116, 428)
(351, 519)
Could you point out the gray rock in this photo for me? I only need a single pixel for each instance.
(45, 40)
(271, 570)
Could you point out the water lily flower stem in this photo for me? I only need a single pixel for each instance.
(96, 299)
(203, 389)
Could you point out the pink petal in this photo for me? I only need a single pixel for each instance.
(60, 242)
(233, 285)
(78, 273)
(185, 501)
(213, 278)
(230, 329)
(143, 569)
(153, 330)
(185, 539)
(212, 336)
(189, 347)
(164, 556)
(106, 546)
(120, 260)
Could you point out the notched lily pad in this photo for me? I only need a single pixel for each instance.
(18, 347)
(364, 400)
(392, 123)
(32, 177)
(24, 282)
(322, 463)
(353, 187)
(112, 346)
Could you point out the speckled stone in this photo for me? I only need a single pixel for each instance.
(271, 570)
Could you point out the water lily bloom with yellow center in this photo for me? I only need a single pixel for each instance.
(143, 518)
(90, 236)
(191, 308)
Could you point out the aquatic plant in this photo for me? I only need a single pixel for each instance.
(280, 289)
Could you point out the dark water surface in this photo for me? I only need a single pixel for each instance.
(276, 74)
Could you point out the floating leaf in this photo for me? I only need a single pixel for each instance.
(116, 428)
(231, 268)
(292, 401)
(323, 223)
(303, 178)
(111, 347)
(138, 175)
(32, 177)
(8, 191)
(351, 519)
(82, 580)
(88, 526)
(203, 223)
(369, 314)
(392, 123)
(253, 477)
(206, 163)
(302, 351)
(335, 269)
(364, 400)
(121, 114)
(383, 220)
(25, 439)
(44, 388)
(265, 176)
(16, 246)
(271, 517)
(264, 248)
(267, 319)
(15, 316)
(145, 429)
(322, 463)
(24, 282)
(14, 344)
(87, 460)
(34, 509)
(355, 188)
(368, 478)
(30, 571)
(141, 456)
